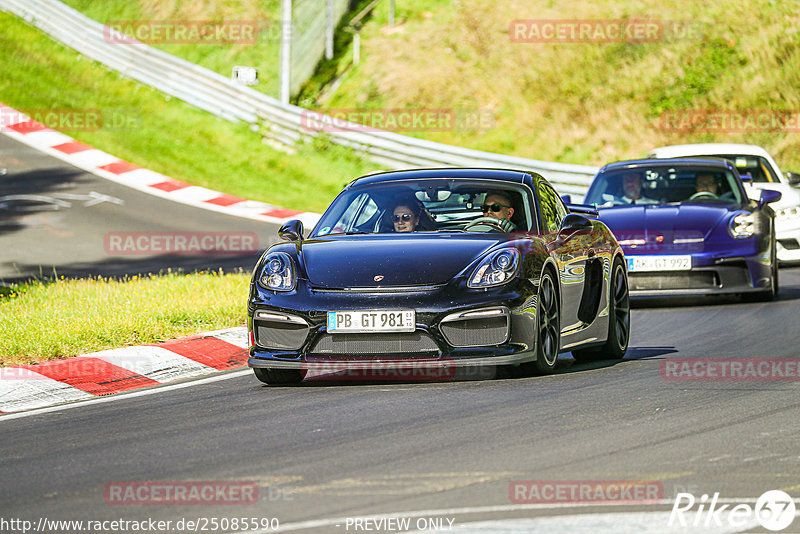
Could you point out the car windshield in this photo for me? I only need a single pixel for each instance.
(428, 205)
(665, 185)
(756, 167)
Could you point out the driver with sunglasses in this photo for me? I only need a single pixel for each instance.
(498, 205)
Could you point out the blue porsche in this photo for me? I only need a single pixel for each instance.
(687, 227)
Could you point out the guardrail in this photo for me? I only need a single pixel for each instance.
(282, 124)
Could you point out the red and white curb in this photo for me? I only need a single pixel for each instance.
(21, 127)
(28, 387)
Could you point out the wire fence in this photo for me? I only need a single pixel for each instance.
(283, 125)
(309, 23)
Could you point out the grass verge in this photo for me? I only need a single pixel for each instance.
(65, 317)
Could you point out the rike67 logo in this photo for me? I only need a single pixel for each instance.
(774, 510)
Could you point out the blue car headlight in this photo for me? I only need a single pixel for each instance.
(278, 273)
(742, 225)
(495, 269)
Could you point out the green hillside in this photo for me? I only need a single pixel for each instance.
(586, 102)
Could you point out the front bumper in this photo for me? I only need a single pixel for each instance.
(438, 340)
(709, 275)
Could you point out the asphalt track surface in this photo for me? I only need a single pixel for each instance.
(325, 450)
(58, 219)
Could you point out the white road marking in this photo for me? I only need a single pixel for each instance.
(91, 199)
(93, 158)
(234, 336)
(154, 362)
(449, 512)
(49, 138)
(594, 523)
(123, 396)
(35, 391)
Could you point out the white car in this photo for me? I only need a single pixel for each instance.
(758, 164)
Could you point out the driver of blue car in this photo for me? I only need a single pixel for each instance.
(706, 184)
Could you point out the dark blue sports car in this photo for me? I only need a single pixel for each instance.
(439, 268)
(687, 227)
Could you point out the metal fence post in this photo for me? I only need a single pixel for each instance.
(286, 51)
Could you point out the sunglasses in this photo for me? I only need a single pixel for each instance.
(493, 207)
(404, 217)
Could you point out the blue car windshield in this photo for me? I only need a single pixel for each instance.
(665, 185)
(424, 205)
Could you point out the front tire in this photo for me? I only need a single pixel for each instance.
(548, 329)
(279, 376)
(619, 320)
(774, 286)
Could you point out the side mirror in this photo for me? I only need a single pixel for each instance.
(291, 230)
(574, 223)
(794, 178)
(768, 196)
(567, 199)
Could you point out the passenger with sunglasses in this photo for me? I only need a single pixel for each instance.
(406, 217)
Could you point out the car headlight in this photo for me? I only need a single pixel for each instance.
(742, 226)
(495, 269)
(788, 213)
(278, 273)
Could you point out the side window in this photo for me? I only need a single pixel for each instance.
(345, 223)
(553, 209)
(367, 212)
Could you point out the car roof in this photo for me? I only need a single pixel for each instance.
(504, 175)
(700, 149)
(672, 162)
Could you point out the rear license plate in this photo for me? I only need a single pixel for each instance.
(371, 321)
(659, 263)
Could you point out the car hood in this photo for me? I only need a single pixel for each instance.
(419, 259)
(667, 222)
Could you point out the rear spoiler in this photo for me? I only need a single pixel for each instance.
(583, 209)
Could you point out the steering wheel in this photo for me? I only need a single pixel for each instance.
(494, 225)
(703, 194)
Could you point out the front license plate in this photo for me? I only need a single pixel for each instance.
(371, 321)
(659, 263)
